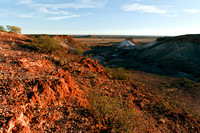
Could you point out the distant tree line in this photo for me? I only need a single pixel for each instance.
(11, 29)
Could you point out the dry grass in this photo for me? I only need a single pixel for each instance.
(112, 112)
(118, 73)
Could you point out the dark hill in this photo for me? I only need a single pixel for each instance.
(179, 54)
(167, 55)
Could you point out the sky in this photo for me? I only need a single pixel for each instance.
(102, 17)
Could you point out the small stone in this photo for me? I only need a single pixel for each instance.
(4, 102)
(19, 53)
(83, 119)
(69, 126)
(61, 62)
(142, 105)
(22, 61)
(29, 70)
(8, 61)
(162, 121)
(56, 59)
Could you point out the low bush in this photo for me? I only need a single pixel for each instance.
(78, 51)
(81, 48)
(166, 106)
(10, 29)
(187, 83)
(113, 113)
(2, 29)
(44, 43)
(13, 29)
(47, 44)
(118, 73)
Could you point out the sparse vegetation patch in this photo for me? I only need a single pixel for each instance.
(118, 73)
(81, 48)
(2, 29)
(13, 29)
(113, 113)
(45, 44)
(186, 83)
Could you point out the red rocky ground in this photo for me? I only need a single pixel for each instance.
(36, 95)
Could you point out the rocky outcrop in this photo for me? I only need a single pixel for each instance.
(92, 65)
(35, 105)
(35, 95)
(13, 38)
(67, 41)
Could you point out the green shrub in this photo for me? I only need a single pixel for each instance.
(78, 51)
(13, 29)
(168, 106)
(112, 113)
(94, 76)
(118, 73)
(2, 28)
(47, 44)
(81, 48)
(187, 83)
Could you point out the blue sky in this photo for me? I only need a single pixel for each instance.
(118, 17)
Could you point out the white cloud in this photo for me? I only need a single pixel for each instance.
(191, 11)
(31, 15)
(51, 11)
(78, 4)
(62, 17)
(143, 8)
(54, 17)
(25, 1)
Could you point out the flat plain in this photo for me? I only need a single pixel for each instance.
(109, 40)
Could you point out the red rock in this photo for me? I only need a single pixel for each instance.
(22, 61)
(4, 102)
(92, 65)
(29, 70)
(8, 61)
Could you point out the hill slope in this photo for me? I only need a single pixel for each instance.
(38, 95)
(176, 53)
(178, 56)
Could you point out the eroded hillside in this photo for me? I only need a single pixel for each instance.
(40, 94)
(168, 55)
